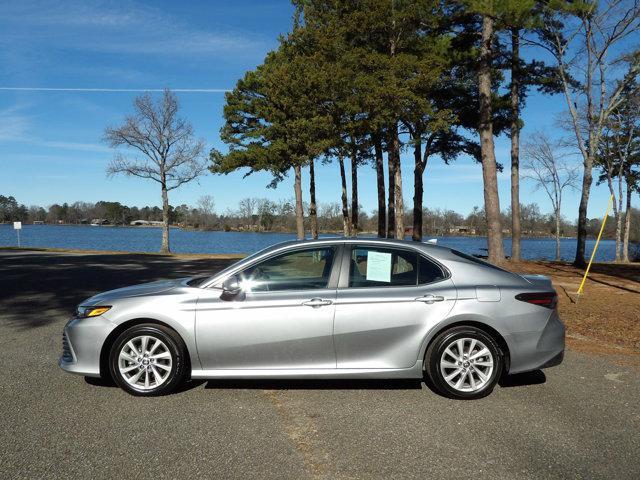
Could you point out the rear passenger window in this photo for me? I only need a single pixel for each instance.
(382, 267)
(429, 272)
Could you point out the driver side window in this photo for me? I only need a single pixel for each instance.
(307, 269)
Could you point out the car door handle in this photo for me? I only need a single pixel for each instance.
(430, 298)
(317, 302)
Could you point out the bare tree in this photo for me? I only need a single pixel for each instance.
(247, 207)
(206, 208)
(544, 167)
(612, 158)
(583, 40)
(160, 147)
(618, 159)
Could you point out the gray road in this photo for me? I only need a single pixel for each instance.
(578, 420)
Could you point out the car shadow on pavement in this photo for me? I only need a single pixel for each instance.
(535, 377)
(108, 383)
(320, 384)
(518, 380)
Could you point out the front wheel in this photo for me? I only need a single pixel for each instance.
(464, 362)
(147, 360)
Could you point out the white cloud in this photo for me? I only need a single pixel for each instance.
(118, 27)
(14, 125)
(17, 127)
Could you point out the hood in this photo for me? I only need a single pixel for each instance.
(152, 288)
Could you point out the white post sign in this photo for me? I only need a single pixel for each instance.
(17, 226)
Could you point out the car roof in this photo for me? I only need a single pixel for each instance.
(382, 242)
(376, 240)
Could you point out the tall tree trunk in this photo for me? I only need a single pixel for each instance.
(627, 225)
(398, 203)
(297, 186)
(619, 219)
(391, 209)
(558, 234)
(313, 214)
(346, 224)
(515, 145)
(164, 248)
(489, 171)
(354, 188)
(382, 209)
(587, 178)
(617, 214)
(393, 160)
(417, 190)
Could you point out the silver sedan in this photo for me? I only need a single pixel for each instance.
(335, 308)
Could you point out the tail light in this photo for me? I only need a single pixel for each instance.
(544, 299)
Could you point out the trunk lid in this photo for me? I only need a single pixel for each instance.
(540, 281)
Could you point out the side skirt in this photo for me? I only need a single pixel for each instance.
(412, 372)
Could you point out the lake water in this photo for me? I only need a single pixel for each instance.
(183, 241)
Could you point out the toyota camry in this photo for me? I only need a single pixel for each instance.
(331, 308)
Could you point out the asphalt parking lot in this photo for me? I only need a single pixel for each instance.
(578, 420)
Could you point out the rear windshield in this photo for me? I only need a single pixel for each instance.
(478, 261)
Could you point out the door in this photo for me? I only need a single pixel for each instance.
(386, 304)
(282, 319)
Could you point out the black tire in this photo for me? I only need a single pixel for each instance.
(174, 346)
(435, 353)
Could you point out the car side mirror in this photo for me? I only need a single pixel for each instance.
(231, 287)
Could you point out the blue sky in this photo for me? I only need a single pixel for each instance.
(50, 141)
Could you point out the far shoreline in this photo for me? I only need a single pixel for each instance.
(364, 234)
(78, 251)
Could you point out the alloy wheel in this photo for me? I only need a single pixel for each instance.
(466, 365)
(145, 362)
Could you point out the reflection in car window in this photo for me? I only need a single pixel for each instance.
(382, 267)
(298, 270)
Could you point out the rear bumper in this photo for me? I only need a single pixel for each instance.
(538, 349)
(557, 360)
(82, 344)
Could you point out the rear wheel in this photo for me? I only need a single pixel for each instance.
(464, 362)
(147, 360)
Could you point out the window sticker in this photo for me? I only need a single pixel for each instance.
(379, 266)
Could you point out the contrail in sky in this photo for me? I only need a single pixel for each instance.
(114, 90)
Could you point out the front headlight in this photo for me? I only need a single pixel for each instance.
(95, 311)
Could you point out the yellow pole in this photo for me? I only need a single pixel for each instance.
(595, 247)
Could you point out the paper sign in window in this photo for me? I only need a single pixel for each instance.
(379, 267)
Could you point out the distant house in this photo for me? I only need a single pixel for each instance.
(462, 230)
(146, 223)
(96, 222)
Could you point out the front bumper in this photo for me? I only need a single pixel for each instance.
(538, 349)
(82, 343)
